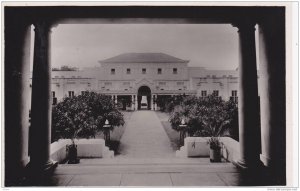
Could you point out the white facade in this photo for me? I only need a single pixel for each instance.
(170, 76)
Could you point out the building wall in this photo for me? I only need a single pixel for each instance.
(188, 80)
(103, 80)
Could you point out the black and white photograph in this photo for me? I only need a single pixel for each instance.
(149, 94)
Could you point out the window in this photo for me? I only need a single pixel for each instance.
(162, 83)
(159, 71)
(216, 93)
(234, 93)
(107, 83)
(143, 70)
(84, 92)
(234, 96)
(203, 79)
(71, 93)
(112, 71)
(174, 70)
(54, 99)
(126, 83)
(180, 83)
(128, 71)
(203, 93)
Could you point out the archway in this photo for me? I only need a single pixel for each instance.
(144, 92)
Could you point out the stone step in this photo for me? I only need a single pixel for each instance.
(145, 168)
(119, 160)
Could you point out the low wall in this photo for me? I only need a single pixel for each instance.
(86, 148)
(58, 150)
(198, 147)
(231, 149)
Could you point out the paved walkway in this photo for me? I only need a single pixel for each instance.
(155, 172)
(152, 173)
(144, 137)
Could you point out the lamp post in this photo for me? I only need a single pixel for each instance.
(182, 131)
(106, 127)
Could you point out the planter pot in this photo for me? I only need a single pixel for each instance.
(72, 154)
(215, 155)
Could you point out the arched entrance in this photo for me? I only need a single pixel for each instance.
(144, 98)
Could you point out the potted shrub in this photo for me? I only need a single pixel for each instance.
(216, 122)
(216, 117)
(82, 116)
(72, 156)
(215, 149)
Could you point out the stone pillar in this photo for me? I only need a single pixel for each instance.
(249, 130)
(132, 102)
(17, 98)
(40, 132)
(136, 102)
(116, 99)
(152, 102)
(272, 93)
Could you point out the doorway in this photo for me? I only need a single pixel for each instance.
(144, 98)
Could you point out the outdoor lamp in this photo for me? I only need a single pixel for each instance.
(183, 127)
(106, 130)
(182, 121)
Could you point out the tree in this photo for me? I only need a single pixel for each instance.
(83, 116)
(186, 110)
(173, 102)
(208, 116)
(162, 100)
(216, 116)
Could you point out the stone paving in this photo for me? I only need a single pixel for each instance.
(145, 137)
(140, 172)
(191, 172)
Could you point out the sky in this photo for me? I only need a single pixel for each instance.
(205, 45)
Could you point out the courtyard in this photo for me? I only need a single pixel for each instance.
(146, 147)
(146, 157)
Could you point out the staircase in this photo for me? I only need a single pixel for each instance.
(104, 166)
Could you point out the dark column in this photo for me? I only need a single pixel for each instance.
(17, 97)
(249, 130)
(40, 131)
(149, 97)
(272, 93)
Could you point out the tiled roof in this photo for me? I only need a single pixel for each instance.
(144, 58)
